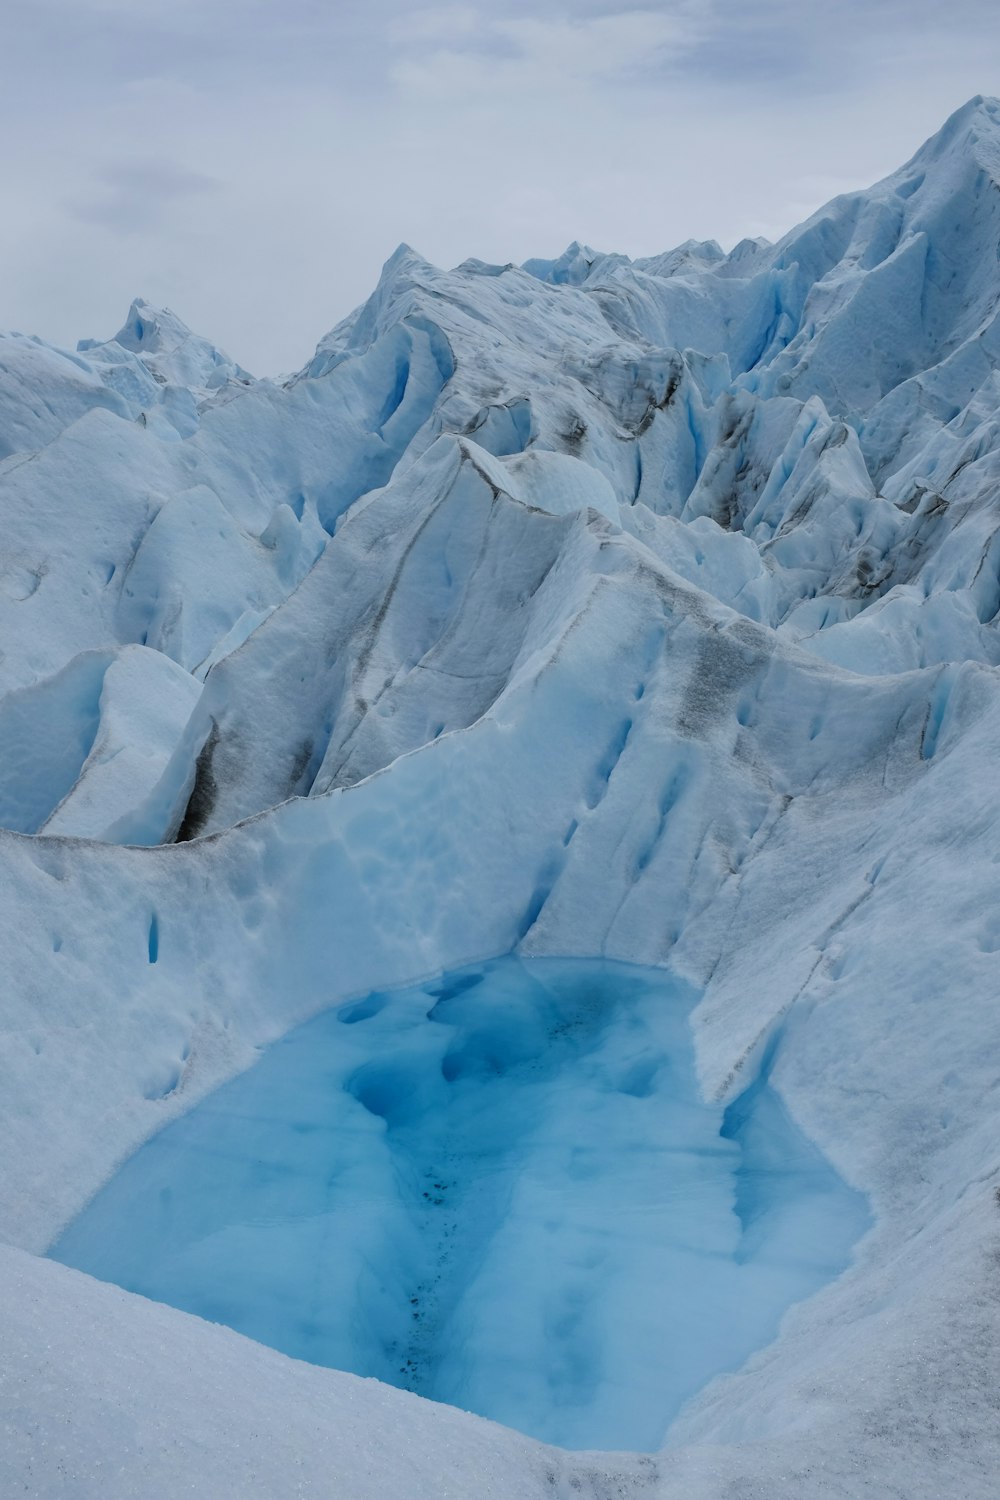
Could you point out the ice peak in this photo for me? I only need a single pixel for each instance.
(981, 109)
(403, 259)
(977, 122)
(168, 348)
(569, 269)
(151, 330)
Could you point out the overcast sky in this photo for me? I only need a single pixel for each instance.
(251, 163)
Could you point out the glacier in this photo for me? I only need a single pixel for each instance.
(595, 609)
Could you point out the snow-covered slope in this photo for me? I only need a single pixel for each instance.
(637, 609)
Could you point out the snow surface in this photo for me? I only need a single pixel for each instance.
(633, 610)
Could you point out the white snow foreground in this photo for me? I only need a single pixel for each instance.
(646, 610)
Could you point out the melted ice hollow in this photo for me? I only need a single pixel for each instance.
(499, 1189)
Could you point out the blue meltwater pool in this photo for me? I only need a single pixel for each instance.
(500, 1189)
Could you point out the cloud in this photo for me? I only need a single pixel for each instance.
(518, 56)
(252, 164)
(131, 196)
(440, 24)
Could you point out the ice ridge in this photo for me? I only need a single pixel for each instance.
(636, 610)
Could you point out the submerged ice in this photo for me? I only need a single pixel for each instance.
(501, 1189)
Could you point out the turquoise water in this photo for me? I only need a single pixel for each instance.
(499, 1189)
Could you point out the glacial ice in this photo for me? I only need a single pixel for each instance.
(609, 610)
(500, 1189)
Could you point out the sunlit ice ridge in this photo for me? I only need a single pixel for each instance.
(633, 613)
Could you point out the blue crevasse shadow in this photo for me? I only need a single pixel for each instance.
(499, 1189)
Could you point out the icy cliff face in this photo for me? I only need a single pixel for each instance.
(637, 609)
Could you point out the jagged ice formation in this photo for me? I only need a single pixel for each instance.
(645, 610)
